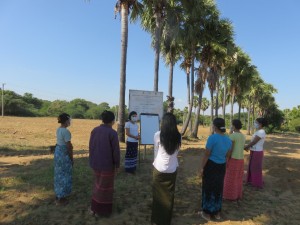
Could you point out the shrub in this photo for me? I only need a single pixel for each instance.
(295, 125)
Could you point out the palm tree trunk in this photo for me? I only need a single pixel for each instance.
(211, 110)
(190, 100)
(124, 41)
(217, 98)
(170, 89)
(248, 126)
(224, 95)
(231, 109)
(253, 118)
(197, 114)
(157, 48)
(239, 102)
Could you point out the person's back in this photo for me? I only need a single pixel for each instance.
(164, 162)
(104, 148)
(239, 144)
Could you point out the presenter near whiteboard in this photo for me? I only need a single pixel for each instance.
(133, 136)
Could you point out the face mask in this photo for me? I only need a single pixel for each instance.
(134, 118)
(70, 121)
(256, 125)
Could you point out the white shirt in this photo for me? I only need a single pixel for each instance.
(163, 162)
(63, 135)
(133, 130)
(259, 146)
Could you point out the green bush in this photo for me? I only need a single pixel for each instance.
(295, 125)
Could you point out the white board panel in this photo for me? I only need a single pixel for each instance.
(149, 124)
(146, 102)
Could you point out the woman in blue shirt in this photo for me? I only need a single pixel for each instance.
(218, 147)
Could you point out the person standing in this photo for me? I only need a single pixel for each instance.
(63, 160)
(233, 181)
(104, 159)
(167, 142)
(256, 146)
(132, 133)
(212, 170)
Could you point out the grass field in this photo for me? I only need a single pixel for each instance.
(26, 181)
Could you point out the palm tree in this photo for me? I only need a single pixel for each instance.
(124, 7)
(238, 76)
(153, 21)
(197, 15)
(199, 88)
(214, 53)
(170, 47)
(204, 106)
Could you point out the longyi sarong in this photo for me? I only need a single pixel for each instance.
(163, 197)
(254, 175)
(62, 172)
(212, 187)
(131, 156)
(233, 181)
(102, 197)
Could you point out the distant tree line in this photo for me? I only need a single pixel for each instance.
(29, 106)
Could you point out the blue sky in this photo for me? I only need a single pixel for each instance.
(67, 49)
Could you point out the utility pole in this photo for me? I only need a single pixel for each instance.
(3, 99)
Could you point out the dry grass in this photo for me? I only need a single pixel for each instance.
(26, 181)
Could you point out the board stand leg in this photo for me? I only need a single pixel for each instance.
(139, 154)
(144, 152)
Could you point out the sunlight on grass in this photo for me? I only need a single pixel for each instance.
(9, 182)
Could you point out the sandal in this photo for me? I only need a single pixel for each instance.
(217, 217)
(205, 216)
(91, 212)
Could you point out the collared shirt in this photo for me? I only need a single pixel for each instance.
(164, 162)
(104, 148)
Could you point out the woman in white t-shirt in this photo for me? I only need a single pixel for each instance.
(132, 133)
(256, 146)
(167, 142)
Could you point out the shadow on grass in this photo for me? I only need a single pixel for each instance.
(29, 199)
(32, 151)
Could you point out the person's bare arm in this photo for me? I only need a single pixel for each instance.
(253, 142)
(127, 132)
(204, 161)
(70, 150)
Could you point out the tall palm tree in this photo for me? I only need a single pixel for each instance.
(153, 21)
(204, 106)
(199, 88)
(197, 15)
(214, 53)
(238, 76)
(170, 47)
(124, 7)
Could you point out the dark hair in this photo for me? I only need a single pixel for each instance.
(170, 137)
(262, 121)
(107, 117)
(237, 124)
(220, 124)
(62, 118)
(131, 114)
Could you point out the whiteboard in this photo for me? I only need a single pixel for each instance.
(149, 124)
(146, 102)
